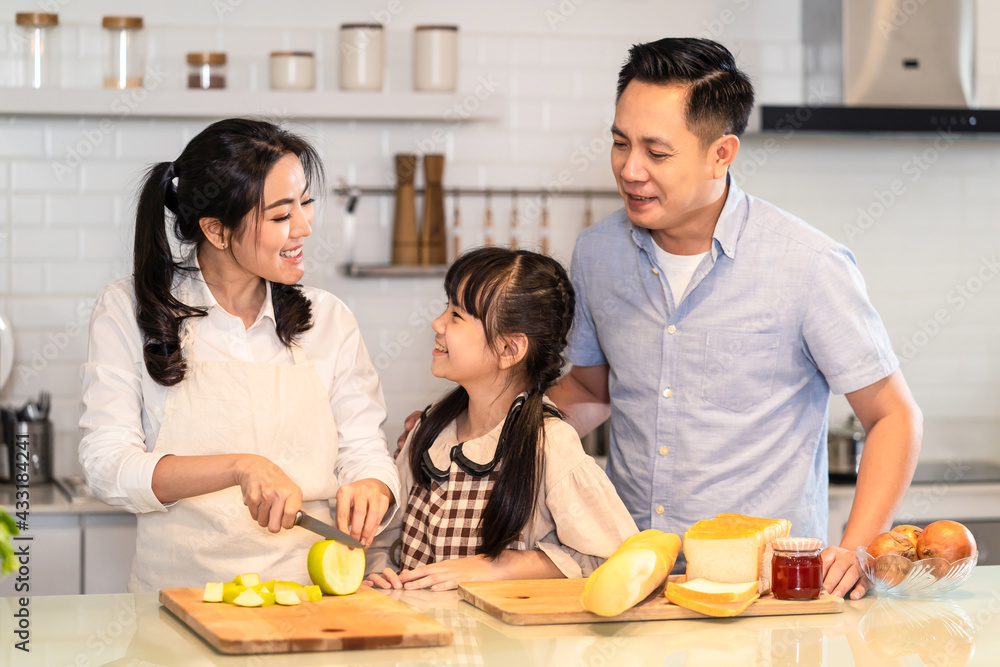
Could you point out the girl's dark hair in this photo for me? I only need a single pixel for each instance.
(511, 292)
(220, 174)
(720, 97)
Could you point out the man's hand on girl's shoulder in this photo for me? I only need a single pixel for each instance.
(408, 425)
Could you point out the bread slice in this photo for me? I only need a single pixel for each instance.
(733, 548)
(710, 592)
(719, 609)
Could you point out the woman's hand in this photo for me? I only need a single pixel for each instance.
(388, 579)
(448, 574)
(272, 498)
(360, 508)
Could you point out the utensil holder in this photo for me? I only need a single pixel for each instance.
(39, 451)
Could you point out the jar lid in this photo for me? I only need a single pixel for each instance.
(36, 19)
(300, 54)
(436, 27)
(206, 58)
(366, 26)
(122, 22)
(797, 544)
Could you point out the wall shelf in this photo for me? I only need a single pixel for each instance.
(115, 105)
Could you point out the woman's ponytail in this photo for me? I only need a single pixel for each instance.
(158, 313)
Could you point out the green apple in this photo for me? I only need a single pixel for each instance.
(313, 594)
(249, 579)
(336, 568)
(231, 591)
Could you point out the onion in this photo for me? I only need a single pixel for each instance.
(911, 532)
(892, 543)
(949, 540)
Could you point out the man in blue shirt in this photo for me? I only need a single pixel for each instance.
(712, 326)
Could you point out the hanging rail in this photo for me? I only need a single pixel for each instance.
(354, 191)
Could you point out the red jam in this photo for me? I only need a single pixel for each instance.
(796, 575)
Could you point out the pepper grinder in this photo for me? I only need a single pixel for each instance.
(488, 222)
(456, 241)
(433, 239)
(405, 249)
(513, 221)
(545, 226)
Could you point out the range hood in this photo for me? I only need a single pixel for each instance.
(887, 66)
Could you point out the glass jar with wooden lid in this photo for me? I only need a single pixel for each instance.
(125, 61)
(206, 69)
(35, 45)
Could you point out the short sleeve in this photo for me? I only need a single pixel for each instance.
(584, 348)
(842, 333)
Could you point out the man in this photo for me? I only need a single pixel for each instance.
(712, 326)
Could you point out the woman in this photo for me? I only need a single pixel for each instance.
(219, 396)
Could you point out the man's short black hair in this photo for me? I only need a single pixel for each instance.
(720, 96)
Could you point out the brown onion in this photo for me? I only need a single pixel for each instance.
(892, 543)
(911, 532)
(949, 540)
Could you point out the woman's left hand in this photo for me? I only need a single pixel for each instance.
(448, 574)
(360, 508)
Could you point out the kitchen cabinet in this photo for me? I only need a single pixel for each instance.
(108, 550)
(54, 565)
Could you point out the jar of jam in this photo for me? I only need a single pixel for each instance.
(796, 568)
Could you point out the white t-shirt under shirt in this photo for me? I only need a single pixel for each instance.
(677, 269)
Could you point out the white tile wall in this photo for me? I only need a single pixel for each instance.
(66, 184)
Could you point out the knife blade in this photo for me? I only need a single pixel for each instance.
(326, 530)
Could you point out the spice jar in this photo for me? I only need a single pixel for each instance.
(796, 568)
(361, 54)
(125, 60)
(35, 49)
(435, 58)
(293, 70)
(206, 69)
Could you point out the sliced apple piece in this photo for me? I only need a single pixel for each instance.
(249, 598)
(336, 568)
(249, 579)
(313, 593)
(213, 592)
(287, 597)
(231, 591)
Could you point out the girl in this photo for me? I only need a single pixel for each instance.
(219, 396)
(497, 486)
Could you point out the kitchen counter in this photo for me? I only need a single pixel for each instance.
(961, 628)
(48, 498)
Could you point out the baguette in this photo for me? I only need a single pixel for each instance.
(633, 571)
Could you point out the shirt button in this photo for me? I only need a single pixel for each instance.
(667, 393)
(663, 451)
(671, 329)
(659, 509)
(656, 271)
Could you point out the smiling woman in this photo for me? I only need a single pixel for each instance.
(220, 397)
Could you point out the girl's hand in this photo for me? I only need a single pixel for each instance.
(360, 508)
(272, 498)
(388, 579)
(448, 574)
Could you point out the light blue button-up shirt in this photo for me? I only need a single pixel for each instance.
(720, 404)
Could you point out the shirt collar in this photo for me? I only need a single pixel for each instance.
(193, 290)
(728, 227)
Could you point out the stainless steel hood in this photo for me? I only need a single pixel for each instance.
(887, 66)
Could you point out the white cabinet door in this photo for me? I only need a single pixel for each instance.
(53, 558)
(108, 549)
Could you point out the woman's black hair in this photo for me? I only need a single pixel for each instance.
(220, 174)
(720, 97)
(511, 292)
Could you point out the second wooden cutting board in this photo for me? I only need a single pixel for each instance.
(556, 601)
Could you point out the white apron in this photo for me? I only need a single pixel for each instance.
(225, 407)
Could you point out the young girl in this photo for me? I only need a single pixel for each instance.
(496, 485)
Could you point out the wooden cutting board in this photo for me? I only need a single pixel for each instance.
(556, 601)
(365, 619)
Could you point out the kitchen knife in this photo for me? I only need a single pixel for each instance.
(326, 530)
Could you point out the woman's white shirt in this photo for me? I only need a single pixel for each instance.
(123, 406)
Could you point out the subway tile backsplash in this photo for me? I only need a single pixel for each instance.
(67, 184)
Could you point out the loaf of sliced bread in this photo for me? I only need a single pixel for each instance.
(711, 592)
(733, 548)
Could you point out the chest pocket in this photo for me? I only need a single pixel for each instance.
(739, 368)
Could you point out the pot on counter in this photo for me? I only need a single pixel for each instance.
(844, 445)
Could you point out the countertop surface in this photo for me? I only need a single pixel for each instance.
(962, 628)
(48, 498)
